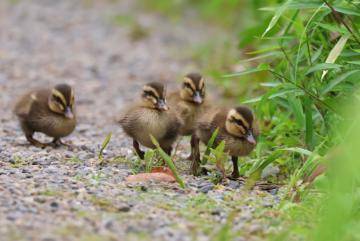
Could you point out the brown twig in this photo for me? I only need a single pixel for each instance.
(340, 20)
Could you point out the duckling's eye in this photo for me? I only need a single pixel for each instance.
(187, 85)
(58, 99)
(239, 122)
(148, 93)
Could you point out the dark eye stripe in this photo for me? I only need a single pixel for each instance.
(239, 122)
(187, 85)
(149, 93)
(59, 100)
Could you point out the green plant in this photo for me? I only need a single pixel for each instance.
(103, 146)
(168, 161)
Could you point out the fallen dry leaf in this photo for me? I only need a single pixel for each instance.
(165, 170)
(147, 177)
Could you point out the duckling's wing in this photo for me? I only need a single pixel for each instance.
(23, 106)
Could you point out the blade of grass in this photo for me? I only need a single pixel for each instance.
(168, 161)
(209, 146)
(104, 145)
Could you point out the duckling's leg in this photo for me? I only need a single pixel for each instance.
(192, 143)
(29, 135)
(34, 142)
(137, 149)
(235, 174)
(195, 152)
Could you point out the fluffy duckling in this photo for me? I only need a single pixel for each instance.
(49, 111)
(189, 101)
(151, 117)
(237, 128)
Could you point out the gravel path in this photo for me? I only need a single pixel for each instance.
(63, 194)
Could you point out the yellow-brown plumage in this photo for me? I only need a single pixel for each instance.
(237, 128)
(49, 111)
(189, 102)
(151, 116)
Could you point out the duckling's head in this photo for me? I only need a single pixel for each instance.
(239, 122)
(61, 100)
(154, 96)
(193, 88)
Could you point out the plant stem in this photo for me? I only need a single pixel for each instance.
(341, 21)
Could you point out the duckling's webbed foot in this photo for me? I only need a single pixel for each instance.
(57, 143)
(35, 142)
(139, 152)
(235, 174)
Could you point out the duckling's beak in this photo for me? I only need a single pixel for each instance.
(161, 105)
(250, 138)
(197, 97)
(68, 113)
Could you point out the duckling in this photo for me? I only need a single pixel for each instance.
(49, 111)
(151, 117)
(237, 128)
(189, 103)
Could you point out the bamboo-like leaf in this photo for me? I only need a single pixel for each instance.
(354, 62)
(298, 150)
(323, 66)
(104, 145)
(297, 109)
(277, 16)
(335, 52)
(261, 67)
(168, 161)
(295, 5)
(347, 11)
(337, 81)
(334, 28)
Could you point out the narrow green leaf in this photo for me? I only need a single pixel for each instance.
(337, 81)
(295, 5)
(253, 100)
(347, 11)
(335, 52)
(265, 50)
(333, 28)
(354, 62)
(298, 150)
(296, 107)
(323, 66)
(277, 16)
(168, 161)
(209, 146)
(316, 55)
(104, 145)
(260, 68)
